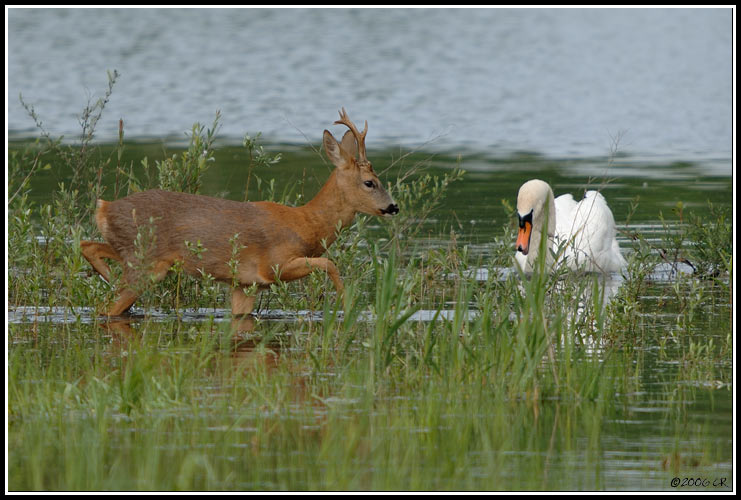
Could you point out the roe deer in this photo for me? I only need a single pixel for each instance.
(274, 241)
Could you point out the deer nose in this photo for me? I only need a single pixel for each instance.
(391, 209)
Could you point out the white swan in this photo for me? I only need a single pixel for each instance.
(586, 229)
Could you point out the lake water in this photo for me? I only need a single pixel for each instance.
(557, 82)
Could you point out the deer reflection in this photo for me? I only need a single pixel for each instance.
(244, 323)
(120, 329)
(252, 353)
(245, 349)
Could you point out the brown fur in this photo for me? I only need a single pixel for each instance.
(271, 236)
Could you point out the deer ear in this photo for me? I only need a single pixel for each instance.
(349, 144)
(336, 153)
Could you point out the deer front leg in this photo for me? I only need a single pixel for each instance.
(95, 252)
(298, 268)
(242, 303)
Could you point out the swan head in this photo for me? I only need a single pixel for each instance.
(534, 202)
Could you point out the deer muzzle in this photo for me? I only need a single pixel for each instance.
(392, 209)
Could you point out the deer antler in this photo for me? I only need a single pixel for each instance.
(360, 138)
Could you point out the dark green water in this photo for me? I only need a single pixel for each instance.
(473, 206)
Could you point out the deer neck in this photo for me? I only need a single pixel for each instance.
(328, 208)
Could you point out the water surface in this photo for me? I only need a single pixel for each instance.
(559, 82)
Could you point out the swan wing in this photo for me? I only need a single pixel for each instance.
(565, 206)
(589, 229)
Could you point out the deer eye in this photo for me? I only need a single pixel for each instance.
(369, 183)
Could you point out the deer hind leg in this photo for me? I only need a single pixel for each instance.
(298, 268)
(95, 252)
(133, 280)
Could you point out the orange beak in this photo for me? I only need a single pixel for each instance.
(523, 238)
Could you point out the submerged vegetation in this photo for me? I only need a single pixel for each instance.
(441, 368)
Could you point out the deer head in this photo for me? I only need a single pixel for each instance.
(358, 183)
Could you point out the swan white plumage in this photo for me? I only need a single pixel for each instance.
(585, 229)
